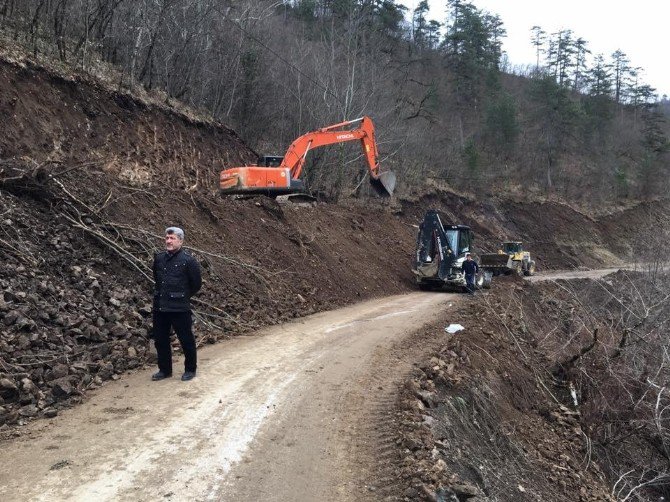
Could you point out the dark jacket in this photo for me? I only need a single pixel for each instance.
(177, 278)
(470, 267)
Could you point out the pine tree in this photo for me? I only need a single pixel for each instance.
(600, 78)
(561, 56)
(580, 67)
(472, 47)
(420, 25)
(621, 72)
(538, 39)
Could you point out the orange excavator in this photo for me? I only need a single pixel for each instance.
(281, 175)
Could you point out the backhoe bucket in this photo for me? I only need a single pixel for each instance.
(384, 185)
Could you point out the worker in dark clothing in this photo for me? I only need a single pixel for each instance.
(177, 278)
(470, 269)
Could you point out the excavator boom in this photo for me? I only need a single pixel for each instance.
(286, 177)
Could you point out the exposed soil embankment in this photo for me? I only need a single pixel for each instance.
(553, 391)
(558, 235)
(89, 179)
(75, 121)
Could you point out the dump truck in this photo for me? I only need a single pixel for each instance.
(440, 253)
(510, 259)
(276, 175)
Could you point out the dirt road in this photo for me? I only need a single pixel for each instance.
(596, 273)
(276, 416)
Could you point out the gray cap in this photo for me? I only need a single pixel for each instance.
(176, 231)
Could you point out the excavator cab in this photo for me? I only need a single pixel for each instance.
(270, 160)
(511, 248)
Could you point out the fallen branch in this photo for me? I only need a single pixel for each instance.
(562, 368)
(18, 254)
(112, 245)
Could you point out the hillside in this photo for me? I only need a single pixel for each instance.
(90, 177)
(446, 104)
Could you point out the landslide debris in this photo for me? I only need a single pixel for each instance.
(88, 182)
(75, 309)
(67, 322)
(90, 177)
(523, 405)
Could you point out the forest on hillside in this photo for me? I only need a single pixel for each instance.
(447, 105)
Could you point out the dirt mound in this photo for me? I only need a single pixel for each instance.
(641, 231)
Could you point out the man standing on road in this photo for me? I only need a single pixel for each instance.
(177, 278)
(470, 269)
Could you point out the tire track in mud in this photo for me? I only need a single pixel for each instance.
(374, 449)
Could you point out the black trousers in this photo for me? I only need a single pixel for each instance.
(182, 324)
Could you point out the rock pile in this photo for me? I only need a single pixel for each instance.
(426, 475)
(58, 339)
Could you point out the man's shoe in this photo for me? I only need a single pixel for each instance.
(160, 376)
(188, 375)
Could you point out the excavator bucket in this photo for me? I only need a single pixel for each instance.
(384, 184)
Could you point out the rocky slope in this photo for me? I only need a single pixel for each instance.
(90, 177)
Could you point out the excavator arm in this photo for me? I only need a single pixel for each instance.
(296, 154)
(286, 177)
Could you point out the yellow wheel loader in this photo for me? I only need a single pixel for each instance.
(510, 258)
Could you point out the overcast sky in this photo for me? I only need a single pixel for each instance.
(641, 29)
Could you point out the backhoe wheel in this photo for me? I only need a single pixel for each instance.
(528, 268)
